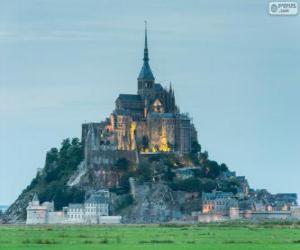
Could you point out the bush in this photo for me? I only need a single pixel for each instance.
(145, 172)
(229, 186)
(125, 202)
(188, 185)
(122, 164)
(208, 185)
(59, 166)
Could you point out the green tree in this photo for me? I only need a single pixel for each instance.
(188, 185)
(168, 175)
(229, 186)
(145, 172)
(208, 185)
(51, 156)
(122, 165)
(223, 167)
(212, 169)
(204, 156)
(191, 185)
(124, 183)
(196, 147)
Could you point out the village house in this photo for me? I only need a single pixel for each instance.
(95, 210)
(218, 202)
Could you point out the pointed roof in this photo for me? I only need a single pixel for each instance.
(35, 198)
(146, 73)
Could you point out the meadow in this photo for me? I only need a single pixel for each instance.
(148, 237)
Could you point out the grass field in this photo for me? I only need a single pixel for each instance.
(208, 237)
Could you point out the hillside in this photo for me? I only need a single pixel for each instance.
(68, 176)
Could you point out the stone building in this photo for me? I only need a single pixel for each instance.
(95, 210)
(243, 188)
(148, 121)
(285, 201)
(42, 213)
(218, 202)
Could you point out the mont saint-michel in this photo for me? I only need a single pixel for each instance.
(143, 164)
(146, 122)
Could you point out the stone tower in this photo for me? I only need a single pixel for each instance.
(146, 79)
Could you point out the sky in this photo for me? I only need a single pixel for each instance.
(235, 70)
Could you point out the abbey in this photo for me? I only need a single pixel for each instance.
(149, 121)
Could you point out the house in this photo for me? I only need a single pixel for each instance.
(218, 202)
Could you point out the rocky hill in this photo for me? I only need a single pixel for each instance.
(74, 170)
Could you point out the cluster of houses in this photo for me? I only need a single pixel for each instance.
(95, 210)
(220, 206)
(246, 203)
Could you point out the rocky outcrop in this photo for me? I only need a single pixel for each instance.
(16, 213)
(153, 203)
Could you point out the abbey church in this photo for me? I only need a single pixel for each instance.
(147, 122)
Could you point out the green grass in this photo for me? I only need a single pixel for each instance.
(207, 237)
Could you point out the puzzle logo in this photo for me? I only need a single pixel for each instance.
(283, 8)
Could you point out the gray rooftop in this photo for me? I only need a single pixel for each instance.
(216, 195)
(162, 115)
(99, 198)
(146, 72)
(35, 198)
(129, 97)
(158, 87)
(75, 205)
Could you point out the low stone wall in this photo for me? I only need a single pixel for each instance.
(110, 219)
(207, 218)
(267, 215)
(55, 217)
(108, 157)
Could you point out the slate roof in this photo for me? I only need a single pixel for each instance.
(35, 198)
(121, 112)
(129, 97)
(158, 87)
(75, 205)
(162, 115)
(216, 195)
(146, 72)
(97, 199)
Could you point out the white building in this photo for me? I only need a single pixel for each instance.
(42, 213)
(93, 211)
(75, 213)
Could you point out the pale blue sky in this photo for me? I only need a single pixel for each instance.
(234, 68)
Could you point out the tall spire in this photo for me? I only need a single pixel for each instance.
(146, 55)
(146, 73)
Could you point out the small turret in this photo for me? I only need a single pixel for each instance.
(35, 200)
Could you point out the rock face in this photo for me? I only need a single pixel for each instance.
(16, 212)
(153, 203)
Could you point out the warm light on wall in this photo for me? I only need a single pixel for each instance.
(164, 141)
(154, 149)
(207, 208)
(132, 135)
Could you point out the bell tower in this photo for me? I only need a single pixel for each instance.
(146, 78)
